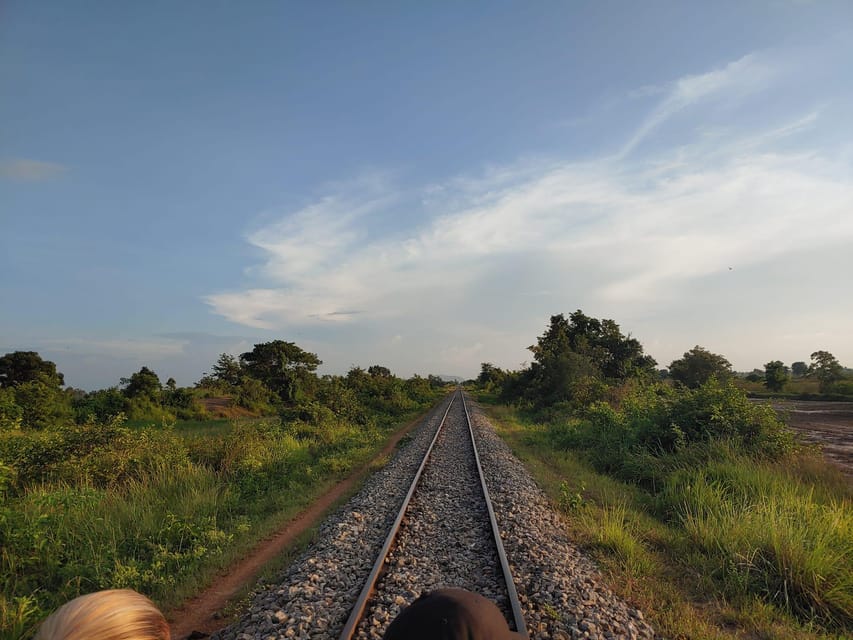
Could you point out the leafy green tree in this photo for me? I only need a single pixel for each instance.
(799, 369)
(826, 368)
(254, 395)
(283, 367)
(436, 382)
(101, 406)
(601, 342)
(756, 375)
(42, 405)
(228, 370)
(572, 350)
(775, 375)
(28, 366)
(699, 365)
(37, 391)
(378, 371)
(490, 375)
(143, 383)
(10, 412)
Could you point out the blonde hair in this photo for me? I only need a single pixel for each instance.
(116, 614)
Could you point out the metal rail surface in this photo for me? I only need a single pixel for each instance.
(512, 594)
(357, 612)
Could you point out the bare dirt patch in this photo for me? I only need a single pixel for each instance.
(829, 424)
(200, 616)
(224, 408)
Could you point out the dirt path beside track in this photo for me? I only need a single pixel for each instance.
(197, 616)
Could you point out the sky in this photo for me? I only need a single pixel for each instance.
(422, 185)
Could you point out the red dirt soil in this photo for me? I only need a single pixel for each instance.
(196, 616)
(222, 408)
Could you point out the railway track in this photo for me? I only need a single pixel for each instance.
(444, 535)
(444, 540)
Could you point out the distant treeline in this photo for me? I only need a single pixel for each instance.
(274, 377)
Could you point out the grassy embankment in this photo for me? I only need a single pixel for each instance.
(710, 541)
(160, 510)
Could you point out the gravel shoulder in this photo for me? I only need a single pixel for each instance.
(561, 591)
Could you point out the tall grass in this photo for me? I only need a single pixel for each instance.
(614, 531)
(97, 506)
(762, 532)
(733, 540)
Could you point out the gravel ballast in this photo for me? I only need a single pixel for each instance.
(559, 588)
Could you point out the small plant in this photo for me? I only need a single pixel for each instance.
(572, 501)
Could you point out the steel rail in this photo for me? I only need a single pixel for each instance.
(518, 617)
(366, 591)
(360, 605)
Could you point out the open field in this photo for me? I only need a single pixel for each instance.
(829, 424)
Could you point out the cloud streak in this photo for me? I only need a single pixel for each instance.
(747, 75)
(25, 170)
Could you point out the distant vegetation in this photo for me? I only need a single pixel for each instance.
(823, 379)
(91, 500)
(681, 483)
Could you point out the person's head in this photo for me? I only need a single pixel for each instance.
(450, 614)
(116, 614)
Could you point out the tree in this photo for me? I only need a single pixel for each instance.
(601, 342)
(490, 375)
(378, 371)
(775, 375)
(283, 367)
(799, 369)
(28, 366)
(42, 405)
(699, 365)
(228, 370)
(10, 413)
(826, 369)
(143, 383)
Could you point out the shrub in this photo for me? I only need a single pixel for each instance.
(10, 413)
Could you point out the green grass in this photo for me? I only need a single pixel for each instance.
(173, 521)
(732, 550)
(194, 428)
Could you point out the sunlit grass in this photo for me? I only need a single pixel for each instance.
(189, 500)
(753, 550)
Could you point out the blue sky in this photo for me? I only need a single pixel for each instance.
(422, 186)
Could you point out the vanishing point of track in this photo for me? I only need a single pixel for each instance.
(360, 620)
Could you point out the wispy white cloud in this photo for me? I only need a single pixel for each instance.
(25, 170)
(749, 74)
(653, 226)
(645, 230)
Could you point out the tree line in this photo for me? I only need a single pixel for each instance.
(276, 377)
(578, 356)
(697, 365)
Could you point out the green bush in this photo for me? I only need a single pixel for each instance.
(10, 413)
(42, 405)
(98, 453)
(659, 420)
